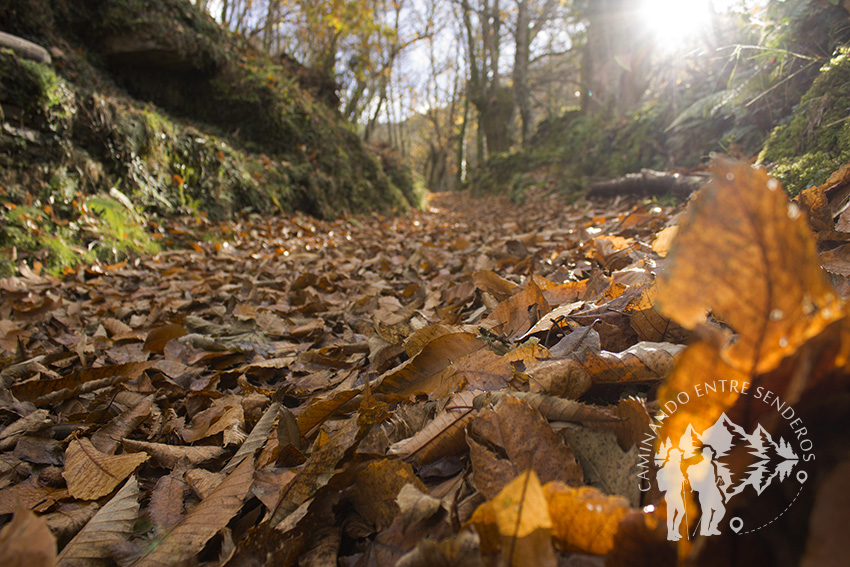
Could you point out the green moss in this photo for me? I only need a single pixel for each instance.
(46, 101)
(816, 141)
(119, 229)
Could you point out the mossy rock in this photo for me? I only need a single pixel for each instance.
(816, 141)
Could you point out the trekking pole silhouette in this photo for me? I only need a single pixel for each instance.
(685, 506)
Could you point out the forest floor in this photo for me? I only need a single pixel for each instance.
(478, 373)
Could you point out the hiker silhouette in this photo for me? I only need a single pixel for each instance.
(671, 481)
(703, 478)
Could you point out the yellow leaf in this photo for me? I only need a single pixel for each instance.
(517, 523)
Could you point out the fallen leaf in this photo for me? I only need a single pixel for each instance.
(442, 436)
(188, 537)
(516, 315)
(511, 438)
(376, 487)
(742, 228)
(169, 455)
(516, 523)
(167, 498)
(111, 525)
(584, 519)
(26, 541)
(424, 372)
(108, 438)
(91, 474)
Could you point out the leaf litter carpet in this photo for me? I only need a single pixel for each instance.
(466, 385)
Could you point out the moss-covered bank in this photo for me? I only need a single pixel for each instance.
(569, 151)
(815, 141)
(151, 106)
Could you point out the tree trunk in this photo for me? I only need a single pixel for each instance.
(616, 59)
(436, 168)
(522, 94)
(496, 117)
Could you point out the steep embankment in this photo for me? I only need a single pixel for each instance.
(815, 141)
(150, 106)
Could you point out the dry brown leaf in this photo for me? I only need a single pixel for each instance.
(442, 436)
(225, 416)
(26, 541)
(550, 407)
(31, 494)
(742, 228)
(643, 362)
(169, 455)
(553, 319)
(108, 438)
(43, 392)
(494, 284)
(111, 525)
(649, 324)
(516, 523)
(188, 537)
(837, 260)
(376, 487)
(632, 427)
(511, 438)
(32, 423)
(69, 518)
(664, 239)
(258, 436)
(420, 338)
(316, 471)
(564, 378)
(116, 327)
(460, 550)
(424, 373)
(159, 337)
(480, 370)
(203, 482)
(516, 315)
(91, 474)
(317, 411)
(567, 292)
(166, 504)
(605, 464)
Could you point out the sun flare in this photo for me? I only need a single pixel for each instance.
(674, 23)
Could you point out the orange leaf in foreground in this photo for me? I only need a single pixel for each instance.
(584, 519)
(698, 368)
(746, 254)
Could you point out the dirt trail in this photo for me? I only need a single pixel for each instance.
(183, 353)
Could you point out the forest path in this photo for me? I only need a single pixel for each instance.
(159, 367)
(300, 268)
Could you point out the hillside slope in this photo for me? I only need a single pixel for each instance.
(153, 101)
